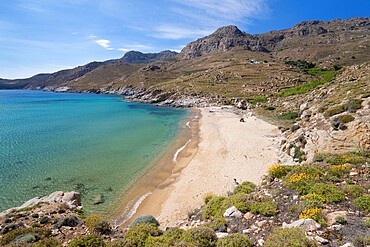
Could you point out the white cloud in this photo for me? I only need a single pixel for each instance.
(168, 31)
(123, 49)
(225, 10)
(103, 43)
(91, 36)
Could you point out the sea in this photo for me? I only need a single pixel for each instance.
(94, 144)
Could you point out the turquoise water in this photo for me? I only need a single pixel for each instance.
(95, 144)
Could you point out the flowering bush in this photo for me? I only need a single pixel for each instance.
(339, 170)
(96, 223)
(302, 181)
(313, 200)
(312, 213)
(277, 170)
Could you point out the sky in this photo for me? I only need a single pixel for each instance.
(42, 36)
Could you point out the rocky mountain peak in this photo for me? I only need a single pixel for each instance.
(228, 31)
(139, 57)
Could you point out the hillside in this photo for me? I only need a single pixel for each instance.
(225, 65)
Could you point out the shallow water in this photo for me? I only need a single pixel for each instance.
(95, 144)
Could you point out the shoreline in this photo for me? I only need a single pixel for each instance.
(222, 151)
(228, 152)
(158, 174)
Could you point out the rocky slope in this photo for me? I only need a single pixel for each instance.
(139, 57)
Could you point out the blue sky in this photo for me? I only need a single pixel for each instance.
(38, 36)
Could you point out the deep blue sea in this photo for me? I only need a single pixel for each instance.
(96, 144)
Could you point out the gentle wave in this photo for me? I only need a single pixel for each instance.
(179, 150)
(131, 213)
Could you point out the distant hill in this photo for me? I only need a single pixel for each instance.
(226, 64)
(139, 57)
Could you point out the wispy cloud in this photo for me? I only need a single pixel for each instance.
(104, 43)
(169, 31)
(201, 17)
(32, 7)
(225, 10)
(135, 47)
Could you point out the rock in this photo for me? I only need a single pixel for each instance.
(261, 223)
(295, 197)
(55, 232)
(353, 173)
(347, 245)
(331, 216)
(294, 127)
(71, 221)
(335, 227)
(303, 107)
(73, 199)
(98, 199)
(321, 240)
(233, 212)
(44, 220)
(248, 215)
(260, 242)
(145, 219)
(221, 234)
(303, 224)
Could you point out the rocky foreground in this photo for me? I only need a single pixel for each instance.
(324, 203)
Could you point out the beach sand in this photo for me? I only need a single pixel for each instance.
(227, 150)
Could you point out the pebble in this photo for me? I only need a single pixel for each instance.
(248, 215)
(347, 245)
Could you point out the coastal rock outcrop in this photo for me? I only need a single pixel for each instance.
(71, 199)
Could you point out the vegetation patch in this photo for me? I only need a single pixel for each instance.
(363, 203)
(266, 207)
(87, 241)
(201, 236)
(353, 190)
(146, 219)
(289, 116)
(234, 240)
(245, 188)
(11, 236)
(278, 170)
(288, 237)
(328, 192)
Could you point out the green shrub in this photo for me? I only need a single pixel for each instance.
(245, 188)
(169, 238)
(269, 108)
(122, 243)
(28, 238)
(328, 192)
(87, 241)
(288, 237)
(334, 110)
(278, 170)
(47, 242)
(306, 169)
(258, 99)
(30, 208)
(214, 207)
(345, 118)
(10, 236)
(138, 233)
(201, 236)
(289, 116)
(241, 201)
(266, 207)
(217, 223)
(340, 220)
(149, 219)
(366, 222)
(234, 240)
(353, 190)
(81, 212)
(363, 202)
(339, 170)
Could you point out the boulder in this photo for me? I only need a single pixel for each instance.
(73, 199)
(233, 212)
(303, 224)
(331, 216)
(98, 199)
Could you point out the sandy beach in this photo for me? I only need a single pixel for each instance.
(227, 150)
